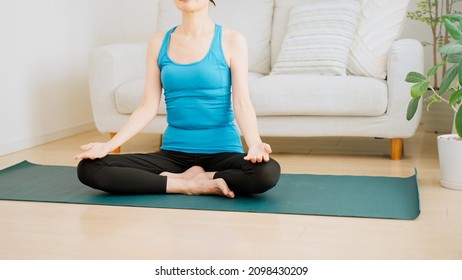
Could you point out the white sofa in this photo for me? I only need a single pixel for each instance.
(294, 105)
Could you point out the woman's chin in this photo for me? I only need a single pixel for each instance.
(189, 6)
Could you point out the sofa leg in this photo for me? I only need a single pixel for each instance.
(117, 150)
(396, 148)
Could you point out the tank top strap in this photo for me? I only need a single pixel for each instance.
(165, 43)
(217, 46)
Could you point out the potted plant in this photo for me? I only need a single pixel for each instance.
(449, 92)
(431, 13)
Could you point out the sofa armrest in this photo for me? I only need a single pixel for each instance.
(405, 55)
(111, 66)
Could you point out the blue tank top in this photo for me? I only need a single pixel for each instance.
(198, 100)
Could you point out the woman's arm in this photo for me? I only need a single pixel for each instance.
(145, 112)
(235, 48)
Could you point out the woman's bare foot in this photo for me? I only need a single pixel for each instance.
(188, 174)
(199, 185)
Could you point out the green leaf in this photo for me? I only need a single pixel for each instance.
(432, 71)
(447, 80)
(435, 68)
(453, 30)
(453, 17)
(419, 89)
(459, 73)
(412, 108)
(450, 49)
(415, 77)
(458, 121)
(454, 58)
(455, 97)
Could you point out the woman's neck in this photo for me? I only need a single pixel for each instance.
(197, 23)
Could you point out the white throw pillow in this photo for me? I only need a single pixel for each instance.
(380, 24)
(318, 38)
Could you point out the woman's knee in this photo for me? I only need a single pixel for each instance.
(266, 176)
(86, 171)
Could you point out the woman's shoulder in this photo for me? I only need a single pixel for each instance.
(156, 39)
(155, 43)
(233, 37)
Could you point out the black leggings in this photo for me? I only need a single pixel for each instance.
(139, 173)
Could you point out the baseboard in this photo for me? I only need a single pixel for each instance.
(29, 142)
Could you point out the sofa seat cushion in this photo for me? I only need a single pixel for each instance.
(128, 95)
(318, 95)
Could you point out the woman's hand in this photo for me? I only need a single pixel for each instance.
(93, 151)
(258, 153)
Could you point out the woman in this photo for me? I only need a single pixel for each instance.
(196, 63)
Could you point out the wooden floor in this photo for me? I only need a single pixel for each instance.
(31, 230)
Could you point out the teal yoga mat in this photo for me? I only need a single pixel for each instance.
(306, 194)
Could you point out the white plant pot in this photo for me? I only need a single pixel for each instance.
(450, 156)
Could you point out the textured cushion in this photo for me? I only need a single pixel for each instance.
(252, 18)
(380, 23)
(128, 95)
(318, 38)
(282, 10)
(317, 95)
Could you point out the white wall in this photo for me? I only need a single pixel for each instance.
(44, 47)
(422, 32)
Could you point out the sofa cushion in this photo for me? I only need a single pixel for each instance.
(280, 20)
(129, 95)
(318, 38)
(318, 95)
(380, 24)
(252, 18)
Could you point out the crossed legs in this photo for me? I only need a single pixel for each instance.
(225, 174)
